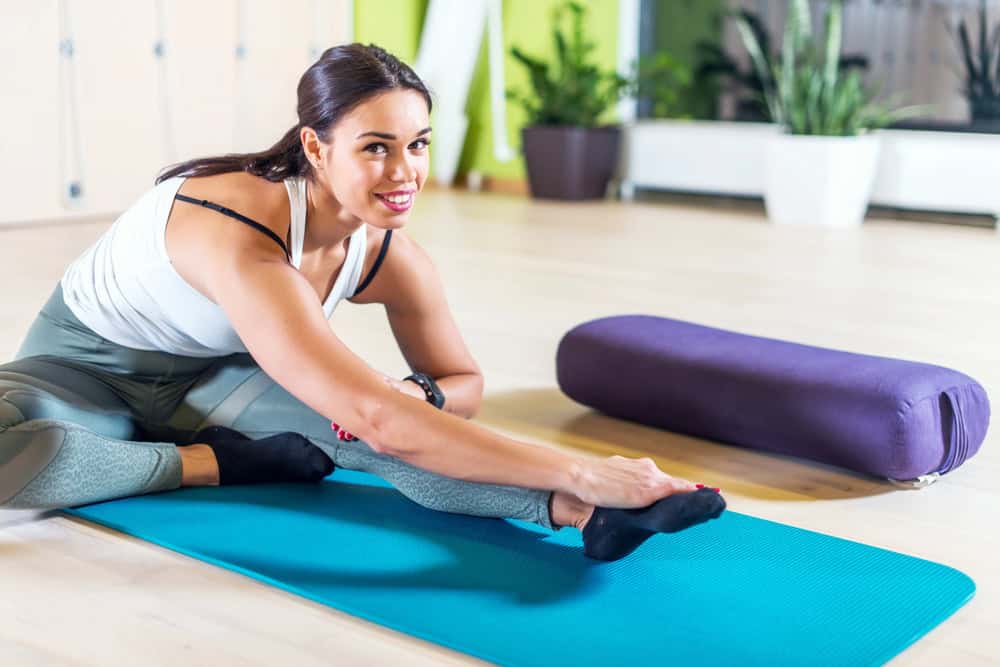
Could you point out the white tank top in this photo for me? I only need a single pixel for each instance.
(125, 288)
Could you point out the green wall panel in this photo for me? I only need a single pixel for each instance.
(395, 25)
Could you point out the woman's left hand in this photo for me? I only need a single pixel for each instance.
(341, 433)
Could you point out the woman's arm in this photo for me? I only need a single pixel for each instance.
(279, 317)
(410, 288)
(463, 392)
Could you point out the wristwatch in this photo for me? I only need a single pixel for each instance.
(434, 394)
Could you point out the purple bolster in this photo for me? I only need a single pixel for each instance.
(888, 417)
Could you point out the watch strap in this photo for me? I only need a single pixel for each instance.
(431, 390)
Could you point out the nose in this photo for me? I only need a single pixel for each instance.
(401, 170)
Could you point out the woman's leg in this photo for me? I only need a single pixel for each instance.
(67, 439)
(238, 394)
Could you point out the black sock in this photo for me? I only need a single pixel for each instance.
(285, 457)
(614, 533)
(210, 433)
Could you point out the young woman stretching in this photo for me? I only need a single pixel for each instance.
(204, 309)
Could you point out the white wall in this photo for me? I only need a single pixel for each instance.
(218, 103)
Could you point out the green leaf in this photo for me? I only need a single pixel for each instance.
(833, 36)
(970, 64)
(570, 89)
(984, 53)
(799, 17)
(760, 63)
(811, 93)
(789, 51)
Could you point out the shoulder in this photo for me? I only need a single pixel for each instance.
(202, 244)
(406, 268)
(257, 198)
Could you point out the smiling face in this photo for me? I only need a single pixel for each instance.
(377, 158)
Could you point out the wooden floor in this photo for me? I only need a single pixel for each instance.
(519, 274)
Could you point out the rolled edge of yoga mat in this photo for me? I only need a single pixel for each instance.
(887, 417)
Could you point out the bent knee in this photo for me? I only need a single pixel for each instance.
(24, 456)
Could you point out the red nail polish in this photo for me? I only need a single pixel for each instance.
(717, 490)
(699, 486)
(334, 426)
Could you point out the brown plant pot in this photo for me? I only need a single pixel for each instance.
(570, 162)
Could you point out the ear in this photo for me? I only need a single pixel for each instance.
(311, 144)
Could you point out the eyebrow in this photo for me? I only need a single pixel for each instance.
(390, 137)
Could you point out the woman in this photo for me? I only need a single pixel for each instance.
(205, 306)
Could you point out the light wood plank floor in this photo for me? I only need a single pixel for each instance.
(519, 274)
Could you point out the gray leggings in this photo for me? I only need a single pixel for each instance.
(84, 420)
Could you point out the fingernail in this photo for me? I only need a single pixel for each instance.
(717, 489)
(335, 426)
(699, 486)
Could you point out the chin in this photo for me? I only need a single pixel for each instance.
(394, 221)
(385, 220)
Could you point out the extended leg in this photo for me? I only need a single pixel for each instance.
(238, 394)
(242, 397)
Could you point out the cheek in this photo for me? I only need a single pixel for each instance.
(355, 180)
(423, 165)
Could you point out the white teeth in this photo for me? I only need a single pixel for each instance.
(399, 199)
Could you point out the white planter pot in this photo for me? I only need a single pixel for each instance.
(814, 180)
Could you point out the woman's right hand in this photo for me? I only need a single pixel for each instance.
(622, 482)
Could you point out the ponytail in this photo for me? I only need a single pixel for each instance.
(283, 160)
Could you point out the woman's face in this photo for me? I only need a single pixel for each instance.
(377, 158)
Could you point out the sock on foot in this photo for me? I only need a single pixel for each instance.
(285, 457)
(614, 533)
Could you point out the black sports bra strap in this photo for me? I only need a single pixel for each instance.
(233, 214)
(378, 263)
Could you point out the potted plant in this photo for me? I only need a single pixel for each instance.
(821, 168)
(982, 70)
(745, 81)
(567, 153)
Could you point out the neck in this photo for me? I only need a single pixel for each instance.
(329, 223)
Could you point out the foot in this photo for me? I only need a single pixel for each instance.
(285, 457)
(613, 533)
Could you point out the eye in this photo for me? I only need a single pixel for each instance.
(371, 148)
(420, 143)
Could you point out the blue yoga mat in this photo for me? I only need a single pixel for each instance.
(734, 591)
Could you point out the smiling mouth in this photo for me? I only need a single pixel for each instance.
(396, 201)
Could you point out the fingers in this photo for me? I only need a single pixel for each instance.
(342, 433)
(663, 480)
(682, 485)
